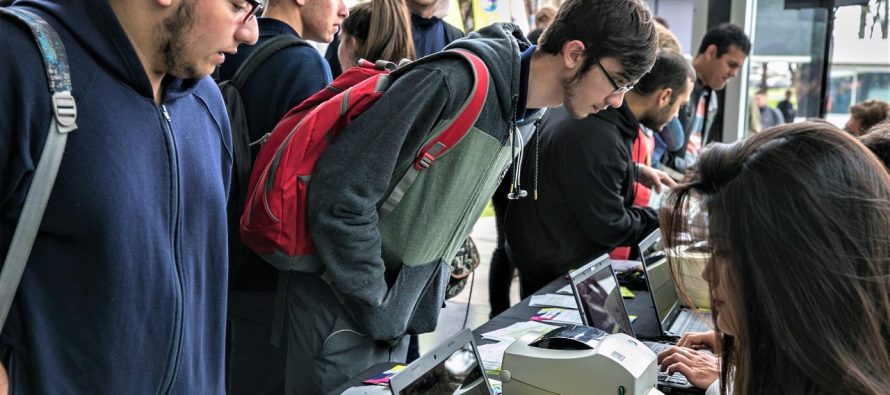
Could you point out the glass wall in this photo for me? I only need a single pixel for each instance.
(789, 52)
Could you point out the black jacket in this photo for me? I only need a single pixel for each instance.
(584, 194)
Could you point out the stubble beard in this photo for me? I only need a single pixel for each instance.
(173, 43)
(570, 88)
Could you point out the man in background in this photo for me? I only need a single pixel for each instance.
(722, 52)
(582, 177)
(281, 82)
(787, 108)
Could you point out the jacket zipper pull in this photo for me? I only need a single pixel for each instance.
(166, 114)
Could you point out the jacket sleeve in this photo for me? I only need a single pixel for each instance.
(352, 177)
(597, 171)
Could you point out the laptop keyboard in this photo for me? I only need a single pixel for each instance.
(663, 377)
(657, 347)
(687, 321)
(676, 378)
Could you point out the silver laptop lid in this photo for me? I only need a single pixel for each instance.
(453, 367)
(660, 281)
(598, 297)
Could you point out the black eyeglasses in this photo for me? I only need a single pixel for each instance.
(255, 8)
(617, 89)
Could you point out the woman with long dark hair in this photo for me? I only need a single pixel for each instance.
(798, 226)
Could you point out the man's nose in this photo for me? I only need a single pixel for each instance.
(248, 33)
(615, 100)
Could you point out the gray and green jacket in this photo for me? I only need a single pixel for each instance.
(391, 270)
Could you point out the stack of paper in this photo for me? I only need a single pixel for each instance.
(553, 300)
(517, 330)
(493, 356)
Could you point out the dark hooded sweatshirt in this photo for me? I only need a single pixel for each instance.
(392, 272)
(124, 291)
(585, 195)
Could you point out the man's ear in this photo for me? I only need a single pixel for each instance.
(300, 2)
(573, 54)
(165, 3)
(664, 96)
(711, 52)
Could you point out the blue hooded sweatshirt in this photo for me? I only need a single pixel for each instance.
(124, 291)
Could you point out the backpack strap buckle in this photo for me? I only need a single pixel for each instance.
(424, 161)
(65, 111)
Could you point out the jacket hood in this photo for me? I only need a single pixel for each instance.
(93, 24)
(499, 45)
(621, 117)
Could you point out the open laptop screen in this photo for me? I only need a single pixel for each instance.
(454, 367)
(599, 297)
(661, 281)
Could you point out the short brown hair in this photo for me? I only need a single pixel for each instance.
(878, 141)
(870, 113)
(667, 39)
(620, 29)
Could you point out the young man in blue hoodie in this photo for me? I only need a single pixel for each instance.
(384, 272)
(125, 288)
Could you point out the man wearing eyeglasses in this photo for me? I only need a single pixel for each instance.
(582, 177)
(385, 272)
(124, 291)
(280, 83)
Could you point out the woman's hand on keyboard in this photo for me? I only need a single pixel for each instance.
(698, 340)
(700, 369)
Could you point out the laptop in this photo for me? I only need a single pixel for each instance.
(598, 296)
(599, 300)
(453, 367)
(673, 319)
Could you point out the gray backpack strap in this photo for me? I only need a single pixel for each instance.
(64, 115)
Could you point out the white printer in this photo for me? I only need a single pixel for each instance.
(576, 360)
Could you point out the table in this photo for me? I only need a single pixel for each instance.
(644, 326)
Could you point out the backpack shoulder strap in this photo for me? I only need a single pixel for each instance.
(261, 54)
(63, 122)
(449, 133)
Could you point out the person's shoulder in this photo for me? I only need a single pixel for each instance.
(23, 72)
(300, 59)
(586, 134)
(20, 43)
(452, 32)
(208, 93)
(303, 52)
(455, 71)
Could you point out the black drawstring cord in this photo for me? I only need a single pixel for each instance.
(537, 145)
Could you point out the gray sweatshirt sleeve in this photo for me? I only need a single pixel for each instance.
(352, 177)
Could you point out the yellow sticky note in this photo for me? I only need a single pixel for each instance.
(626, 294)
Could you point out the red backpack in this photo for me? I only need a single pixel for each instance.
(274, 220)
